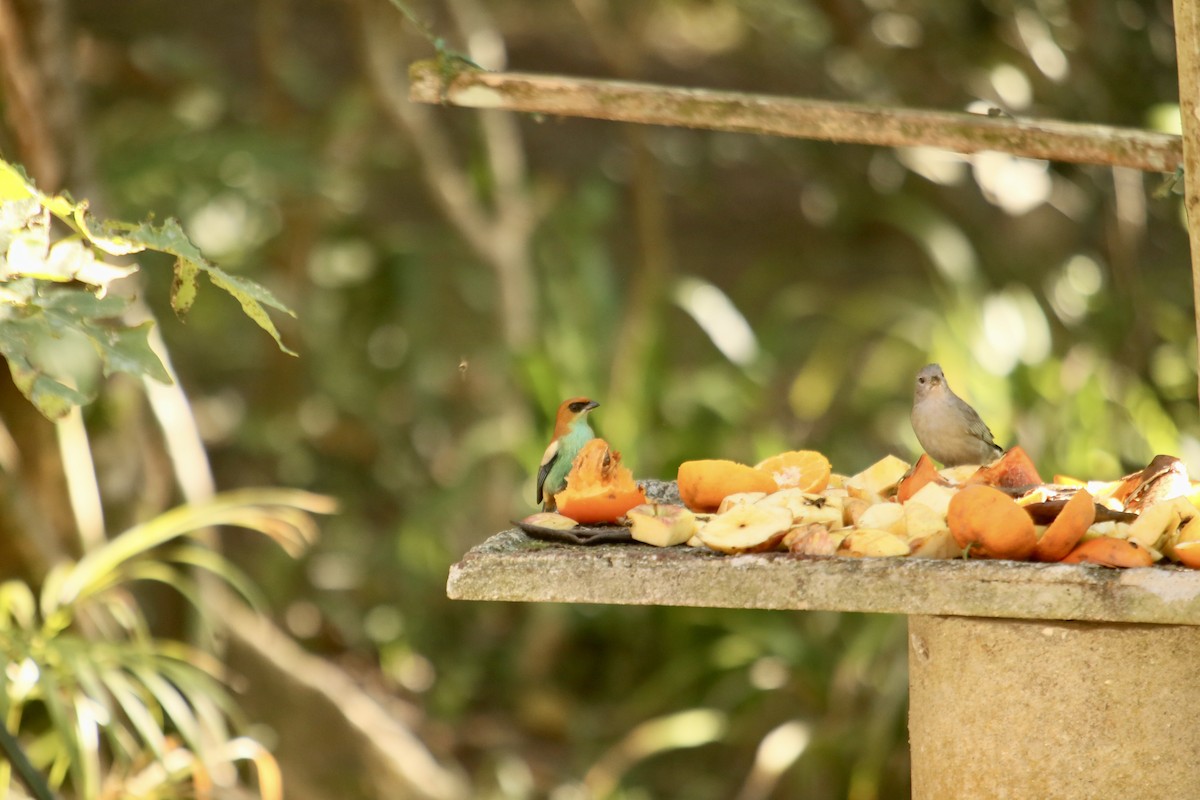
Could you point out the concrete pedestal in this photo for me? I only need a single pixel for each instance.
(1003, 708)
(1027, 681)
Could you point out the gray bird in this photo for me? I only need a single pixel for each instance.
(948, 429)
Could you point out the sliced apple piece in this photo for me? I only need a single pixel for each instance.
(921, 521)
(552, 520)
(884, 517)
(872, 543)
(746, 529)
(935, 496)
(1160, 523)
(936, 545)
(661, 524)
(806, 508)
(813, 540)
(878, 480)
(740, 499)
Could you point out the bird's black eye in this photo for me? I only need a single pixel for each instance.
(920, 380)
(577, 407)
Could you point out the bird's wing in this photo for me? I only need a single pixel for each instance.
(548, 459)
(980, 430)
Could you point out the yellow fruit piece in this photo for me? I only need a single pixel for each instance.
(1161, 523)
(873, 544)
(937, 545)
(746, 529)
(934, 496)
(878, 480)
(807, 508)
(661, 524)
(740, 499)
(884, 517)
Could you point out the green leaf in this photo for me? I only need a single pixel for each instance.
(169, 237)
(70, 753)
(133, 703)
(176, 706)
(52, 399)
(183, 287)
(264, 510)
(251, 295)
(212, 561)
(17, 604)
(83, 303)
(66, 260)
(128, 350)
(15, 217)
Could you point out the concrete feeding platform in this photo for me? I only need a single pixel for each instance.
(1025, 680)
(512, 566)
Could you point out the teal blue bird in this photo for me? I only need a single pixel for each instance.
(571, 433)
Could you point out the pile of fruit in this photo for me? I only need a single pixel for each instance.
(794, 502)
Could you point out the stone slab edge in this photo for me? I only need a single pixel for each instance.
(512, 567)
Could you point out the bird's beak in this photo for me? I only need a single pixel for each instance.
(590, 405)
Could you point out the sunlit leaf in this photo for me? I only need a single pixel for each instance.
(176, 706)
(65, 260)
(254, 509)
(27, 253)
(184, 286)
(69, 758)
(270, 777)
(88, 730)
(27, 249)
(170, 238)
(52, 399)
(137, 710)
(18, 604)
(17, 216)
(252, 297)
(82, 303)
(14, 185)
(213, 562)
(127, 350)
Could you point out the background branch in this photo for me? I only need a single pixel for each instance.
(499, 234)
(800, 118)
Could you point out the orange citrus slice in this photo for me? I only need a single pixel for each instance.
(705, 483)
(806, 470)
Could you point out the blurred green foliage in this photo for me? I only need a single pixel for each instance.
(1055, 296)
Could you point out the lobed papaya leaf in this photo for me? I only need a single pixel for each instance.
(170, 238)
(81, 303)
(53, 399)
(252, 297)
(30, 259)
(127, 350)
